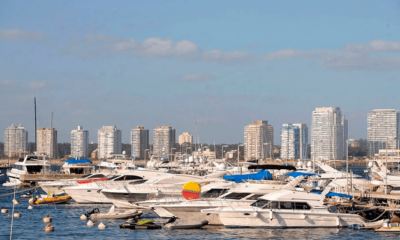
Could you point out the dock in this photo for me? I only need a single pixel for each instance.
(47, 177)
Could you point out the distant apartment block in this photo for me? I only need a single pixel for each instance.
(258, 140)
(47, 142)
(185, 137)
(139, 142)
(382, 125)
(163, 140)
(109, 141)
(15, 140)
(328, 133)
(294, 139)
(80, 143)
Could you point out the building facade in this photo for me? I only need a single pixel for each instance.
(80, 143)
(328, 133)
(15, 140)
(294, 140)
(109, 141)
(163, 140)
(185, 137)
(382, 125)
(258, 140)
(47, 142)
(139, 142)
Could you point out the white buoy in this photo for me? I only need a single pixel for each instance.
(90, 223)
(48, 228)
(4, 210)
(15, 201)
(30, 207)
(101, 226)
(47, 219)
(83, 217)
(17, 214)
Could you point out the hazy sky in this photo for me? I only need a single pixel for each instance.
(226, 63)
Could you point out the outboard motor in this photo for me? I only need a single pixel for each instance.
(171, 220)
(95, 210)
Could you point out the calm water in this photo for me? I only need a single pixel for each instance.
(68, 226)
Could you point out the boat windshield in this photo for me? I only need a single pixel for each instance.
(213, 193)
(255, 197)
(260, 203)
(237, 196)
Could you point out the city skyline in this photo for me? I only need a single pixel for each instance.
(98, 63)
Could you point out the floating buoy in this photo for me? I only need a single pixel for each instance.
(102, 226)
(17, 214)
(47, 219)
(90, 223)
(4, 210)
(83, 217)
(8, 215)
(30, 207)
(48, 228)
(15, 201)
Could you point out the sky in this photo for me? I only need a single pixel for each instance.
(223, 63)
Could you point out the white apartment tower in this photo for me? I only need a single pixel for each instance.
(383, 124)
(47, 142)
(258, 140)
(163, 140)
(80, 143)
(139, 142)
(15, 140)
(109, 141)
(185, 137)
(294, 139)
(328, 133)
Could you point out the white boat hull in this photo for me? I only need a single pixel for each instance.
(87, 196)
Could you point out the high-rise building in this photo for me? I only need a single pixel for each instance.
(383, 124)
(328, 133)
(47, 142)
(185, 137)
(80, 143)
(258, 140)
(163, 140)
(15, 140)
(294, 139)
(139, 142)
(109, 141)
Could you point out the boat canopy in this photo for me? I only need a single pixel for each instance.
(272, 167)
(333, 194)
(76, 161)
(261, 175)
(296, 174)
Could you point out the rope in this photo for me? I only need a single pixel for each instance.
(25, 190)
(375, 218)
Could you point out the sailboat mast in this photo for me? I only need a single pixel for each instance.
(35, 148)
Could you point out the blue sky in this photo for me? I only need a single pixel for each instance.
(226, 63)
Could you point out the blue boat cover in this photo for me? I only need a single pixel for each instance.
(333, 194)
(261, 175)
(76, 161)
(296, 174)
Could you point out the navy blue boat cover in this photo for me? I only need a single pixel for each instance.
(296, 174)
(261, 175)
(76, 161)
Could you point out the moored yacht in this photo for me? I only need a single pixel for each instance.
(289, 208)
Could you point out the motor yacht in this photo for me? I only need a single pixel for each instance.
(289, 208)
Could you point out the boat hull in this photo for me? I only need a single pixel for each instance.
(87, 196)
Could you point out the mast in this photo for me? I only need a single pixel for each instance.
(35, 148)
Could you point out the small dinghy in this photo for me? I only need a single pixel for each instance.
(28, 194)
(46, 199)
(133, 223)
(174, 224)
(391, 227)
(113, 214)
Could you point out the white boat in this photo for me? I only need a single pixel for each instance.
(77, 166)
(31, 164)
(115, 214)
(164, 186)
(287, 209)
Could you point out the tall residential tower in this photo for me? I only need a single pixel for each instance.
(15, 140)
(383, 124)
(294, 139)
(109, 141)
(139, 142)
(47, 142)
(258, 140)
(163, 140)
(80, 143)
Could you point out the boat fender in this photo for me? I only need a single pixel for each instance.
(270, 214)
(338, 221)
(255, 214)
(303, 216)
